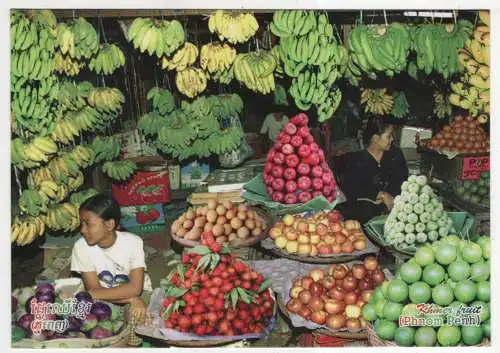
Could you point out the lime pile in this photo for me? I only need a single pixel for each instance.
(475, 191)
(449, 273)
(418, 216)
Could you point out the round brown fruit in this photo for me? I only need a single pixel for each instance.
(211, 216)
(294, 306)
(250, 224)
(236, 223)
(316, 304)
(335, 321)
(319, 317)
(305, 296)
(208, 227)
(212, 205)
(370, 263)
(358, 271)
(232, 237)
(243, 232)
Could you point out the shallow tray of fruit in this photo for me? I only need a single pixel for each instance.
(236, 226)
(211, 299)
(332, 297)
(440, 297)
(321, 237)
(83, 323)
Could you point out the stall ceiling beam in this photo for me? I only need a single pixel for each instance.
(127, 13)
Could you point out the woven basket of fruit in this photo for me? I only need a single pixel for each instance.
(77, 322)
(319, 237)
(211, 299)
(237, 226)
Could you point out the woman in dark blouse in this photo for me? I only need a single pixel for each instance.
(374, 175)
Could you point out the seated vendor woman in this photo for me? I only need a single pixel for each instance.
(374, 175)
(111, 262)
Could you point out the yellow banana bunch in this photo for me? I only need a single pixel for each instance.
(65, 131)
(65, 64)
(235, 27)
(63, 217)
(184, 57)
(106, 99)
(158, 37)
(109, 58)
(255, 70)
(191, 81)
(24, 230)
(215, 57)
(75, 182)
(472, 91)
(377, 101)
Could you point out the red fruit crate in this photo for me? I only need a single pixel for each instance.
(145, 188)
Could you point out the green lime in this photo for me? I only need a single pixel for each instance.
(410, 272)
(472, 335)
(424, 256)
(405, 336)
(486, 328)
(433, 274)
(397, 291)
(442, 294)
(465, 291)
(472, 253)
(459, 270)
(385, 329)
(480, 271)
(379, 307)
(419, 292)
(392, 311)
(369, 312)
(446, 254)
(485, 309)
(425, 337)
(448, 335)
(483, 291)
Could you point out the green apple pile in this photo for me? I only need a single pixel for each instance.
(418, 216)
(450, 273)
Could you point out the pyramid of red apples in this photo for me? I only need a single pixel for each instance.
(296, 170)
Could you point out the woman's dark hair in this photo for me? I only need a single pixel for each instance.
(375, 126)
(104, 206)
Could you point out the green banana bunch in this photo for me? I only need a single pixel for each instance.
(158, 37)
(255, 70)
(330, 105)
(400, 106)
(162, 99)
(78, 198)
(377, 49)
(119, 170)
(109, 58)
(437, 45)
(32, 203)
(105, 149)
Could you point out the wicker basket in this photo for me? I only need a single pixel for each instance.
(375, 341)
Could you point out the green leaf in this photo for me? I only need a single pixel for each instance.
(215, 261)
(200, 250)
(264, 285)
(234, 298)
(181, 270)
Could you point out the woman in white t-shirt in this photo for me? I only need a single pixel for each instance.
(111, 262)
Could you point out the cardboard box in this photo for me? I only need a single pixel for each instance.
(144, 188)
(143, 219)
(193, 174)
(134, 144)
